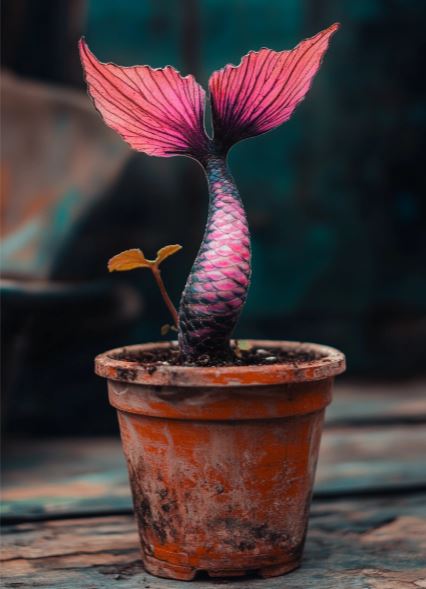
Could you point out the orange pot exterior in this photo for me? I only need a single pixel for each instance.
(221, 469)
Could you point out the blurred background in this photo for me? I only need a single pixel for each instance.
(335, 197)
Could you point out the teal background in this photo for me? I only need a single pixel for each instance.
(335, 197)
(335, 204)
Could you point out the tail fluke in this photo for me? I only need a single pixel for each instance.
(156, 111)
(161, 113)
(262, 92)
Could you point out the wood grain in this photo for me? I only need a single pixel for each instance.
(367, 524)
(378, 404)
(89, 476)
(375, 543)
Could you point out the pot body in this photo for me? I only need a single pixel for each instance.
(221, 476)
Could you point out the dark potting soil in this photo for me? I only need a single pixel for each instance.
(255, 356)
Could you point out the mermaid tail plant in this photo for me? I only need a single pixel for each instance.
(161, 113)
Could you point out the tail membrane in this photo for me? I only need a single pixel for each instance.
(262, 92)
(161, 113)
(156, 111)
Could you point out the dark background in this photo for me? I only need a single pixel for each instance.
(335, 197)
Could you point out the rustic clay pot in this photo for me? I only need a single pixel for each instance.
(221, 460)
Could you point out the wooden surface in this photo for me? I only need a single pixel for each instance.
(67, 510)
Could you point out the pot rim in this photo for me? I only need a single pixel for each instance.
(331, 363)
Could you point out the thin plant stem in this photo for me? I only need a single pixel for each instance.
(157, 275)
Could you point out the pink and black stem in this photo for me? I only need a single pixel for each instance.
(161, 113)
(217, 286)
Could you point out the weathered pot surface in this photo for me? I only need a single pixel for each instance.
(221, 460)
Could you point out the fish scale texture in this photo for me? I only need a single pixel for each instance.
(217, 286)
(161, 113)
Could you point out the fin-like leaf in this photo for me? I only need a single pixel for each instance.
(129, 260)
(262, 92)
(156, 111)
(166, 251)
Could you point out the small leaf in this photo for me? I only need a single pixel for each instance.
(165, 329)
(166, 251)
(128, 260)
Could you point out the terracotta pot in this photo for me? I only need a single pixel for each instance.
(221, 460)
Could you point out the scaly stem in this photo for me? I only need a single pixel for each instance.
(217, 286)
(158, 279)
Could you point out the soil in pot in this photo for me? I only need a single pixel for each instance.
(221, 458)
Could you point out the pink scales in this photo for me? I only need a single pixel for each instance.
(161, 113)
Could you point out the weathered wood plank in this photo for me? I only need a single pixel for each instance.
(371, 460)
(65, 476)
(390, 403)
(374, 543)
(89, 476)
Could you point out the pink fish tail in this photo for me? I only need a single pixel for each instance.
(161, 113)
(262, 92)
(157, 111)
